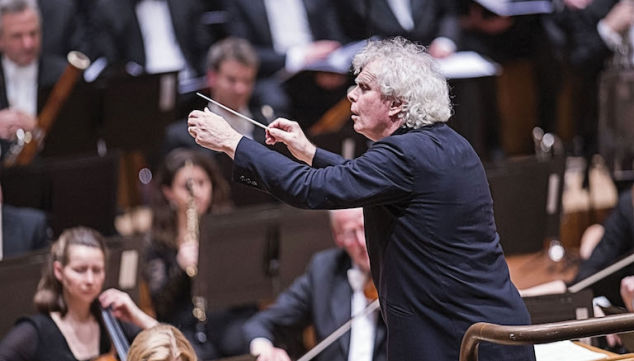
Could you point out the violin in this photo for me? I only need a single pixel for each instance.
(371, 294)
(370, 291)
(119, 341)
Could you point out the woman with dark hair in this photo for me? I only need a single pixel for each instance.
(187, 179)
(68, 326)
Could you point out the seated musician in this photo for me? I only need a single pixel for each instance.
(601, 246)
(24, 72)
(161, 343)
(616, 241)
(69, 297)
(326, 296)
(21, 230)
(232, 66)
(172, 253)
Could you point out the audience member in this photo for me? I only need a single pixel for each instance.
(172, 254)
(326, 296)
(69, 297)
(23, 230)
(161, 343)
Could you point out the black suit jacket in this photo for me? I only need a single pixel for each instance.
(248, 20)
(617, 241)
(320, 297)
(119, 36)
(586, 50)
(50, 69)
(62, 27)
(434, 251)
(432, 18)
(23, 230)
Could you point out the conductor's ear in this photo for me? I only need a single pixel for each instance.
(395, 108)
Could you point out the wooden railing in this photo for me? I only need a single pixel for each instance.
(544, 333)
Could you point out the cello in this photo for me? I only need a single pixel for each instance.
(119, 341)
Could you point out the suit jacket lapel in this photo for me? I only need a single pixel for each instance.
(4, 101)
(379, 338)
(259, 18)
(418, 11)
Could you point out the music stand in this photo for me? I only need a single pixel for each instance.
(75, 129)
(136, 110)
(560, 307)
(73, 191)
(302, 234)
(124, 265)
(526, 201)
(19, 277)
(236, 257)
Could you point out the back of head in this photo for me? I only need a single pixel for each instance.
(408, 74)
(49, 294)
(161, 343)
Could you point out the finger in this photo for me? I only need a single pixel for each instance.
(192, 131)
(282, 123)
(279, 135)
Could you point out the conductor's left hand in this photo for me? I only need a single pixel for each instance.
(212, 131)
(124, 308)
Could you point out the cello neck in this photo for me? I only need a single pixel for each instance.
(119, 341)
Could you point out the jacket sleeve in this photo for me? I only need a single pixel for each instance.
(292, 309)
(381, 175)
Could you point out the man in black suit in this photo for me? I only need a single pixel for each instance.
(24, 73)
(434, 250)
(432, 23)
(23, 230)
(159, 36)
(326, 296)
(289, 35)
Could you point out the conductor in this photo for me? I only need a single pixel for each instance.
(434, 251)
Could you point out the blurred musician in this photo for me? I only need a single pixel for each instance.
(172, 253)
(161, 343)
(68, 326)
(326, 296)
(21, 230)
(23, 72)
(232, 67)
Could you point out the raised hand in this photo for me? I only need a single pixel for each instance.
(291, 134)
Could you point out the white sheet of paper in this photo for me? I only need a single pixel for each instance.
(565, 351)
(467, 64)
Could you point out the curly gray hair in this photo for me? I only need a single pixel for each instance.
(408, 74)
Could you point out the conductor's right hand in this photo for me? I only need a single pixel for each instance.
(291, 134)
(267, 352)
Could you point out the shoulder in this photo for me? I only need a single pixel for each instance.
(51, 68)
(38, 322)
(23, 214)
(328, 259)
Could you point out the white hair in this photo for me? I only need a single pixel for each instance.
(406, 73)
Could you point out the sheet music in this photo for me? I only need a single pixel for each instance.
(467, 64)
(565, 351)
(514, 8)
